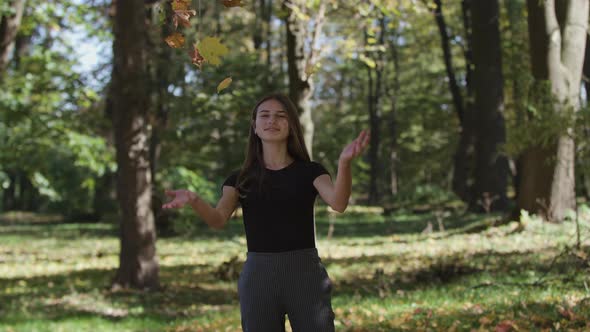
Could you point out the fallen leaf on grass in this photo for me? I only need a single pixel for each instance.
(506, 326)
(485, 320)
(567, 313)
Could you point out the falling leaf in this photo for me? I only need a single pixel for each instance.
(183, 17)
(224, 84)
(196, 57)
(368, 61)
(181, 4)
(211, 49)
(232, 3)
(175, 40)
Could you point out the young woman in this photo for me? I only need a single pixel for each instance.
(277, 187)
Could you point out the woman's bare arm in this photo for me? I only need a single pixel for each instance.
(337, 194)
(215, 217)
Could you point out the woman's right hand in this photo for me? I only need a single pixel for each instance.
(179, 198)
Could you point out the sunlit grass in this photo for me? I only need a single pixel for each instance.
(387, 276)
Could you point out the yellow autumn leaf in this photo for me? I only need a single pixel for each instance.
(224, 84)
(212, 50)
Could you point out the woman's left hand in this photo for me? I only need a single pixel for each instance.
(356, 147)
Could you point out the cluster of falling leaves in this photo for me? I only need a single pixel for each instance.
(210, 49)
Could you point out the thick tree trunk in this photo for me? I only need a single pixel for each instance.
(9, 26)
(138, 265)
(300, 63)
(491, 166)
(558, 38)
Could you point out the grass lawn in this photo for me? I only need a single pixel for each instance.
(387, 275)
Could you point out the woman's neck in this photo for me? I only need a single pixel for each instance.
(276, 155)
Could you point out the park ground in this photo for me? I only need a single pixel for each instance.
(414, 270)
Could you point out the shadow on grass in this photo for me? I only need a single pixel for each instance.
(353, 225)
(87, 294)
(533, 268)
(512, 315)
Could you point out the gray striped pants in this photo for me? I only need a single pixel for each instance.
(294, 283)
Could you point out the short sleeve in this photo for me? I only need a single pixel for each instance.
(316, 169)
(231, 180)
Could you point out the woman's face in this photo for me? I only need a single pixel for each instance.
(272, 121)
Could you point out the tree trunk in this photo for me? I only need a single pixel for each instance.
(162, 74)
(374, 105)
(268, 37)
(463, 154)
(518, 66)
(557, 45)
(138, 266)
(9, 26)
(491, 166)
(300, 63)
(585, 169)
(392, 119)
(258, 10)
(9, 197)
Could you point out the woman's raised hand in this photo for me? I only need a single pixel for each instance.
(356, 147)
(179, 198)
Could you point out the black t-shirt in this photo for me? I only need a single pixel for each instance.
(281, 216)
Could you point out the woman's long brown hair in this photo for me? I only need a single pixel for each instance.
(253, 167)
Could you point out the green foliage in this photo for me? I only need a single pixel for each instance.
(544, 121)
(172, 178)
(45, 104)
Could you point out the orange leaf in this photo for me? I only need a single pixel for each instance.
(196, 57)
(175, 40)
(232, 3)
(181, 4)
(505, 326)
(183, 17)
